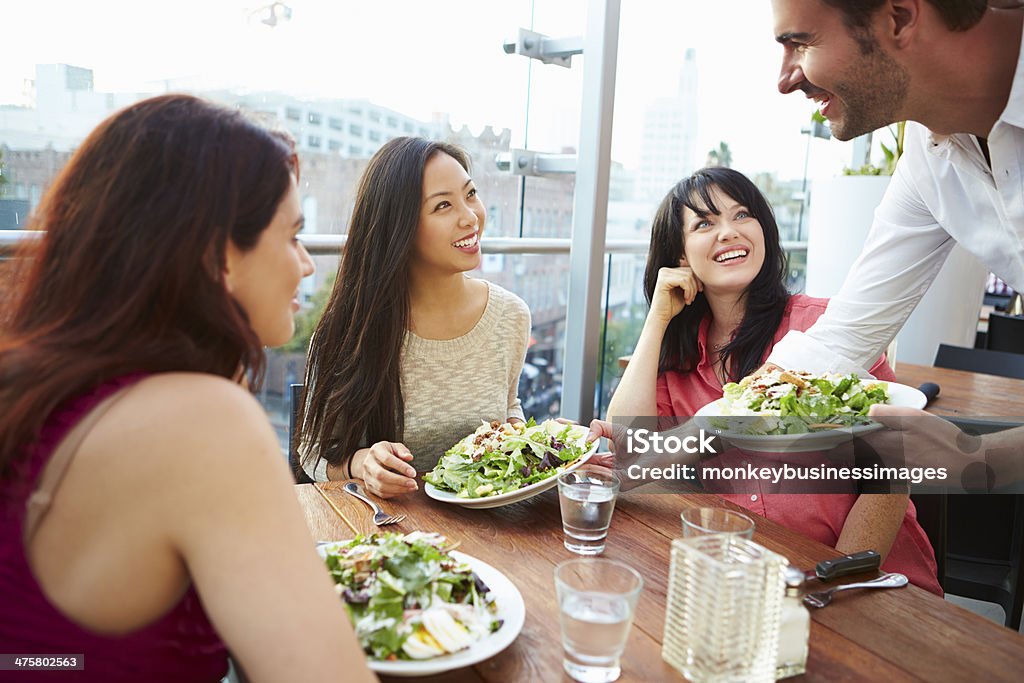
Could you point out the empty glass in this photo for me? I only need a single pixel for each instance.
(596, 600)
(706, 521)
(587, 499)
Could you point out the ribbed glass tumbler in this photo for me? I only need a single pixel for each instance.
(724, 604)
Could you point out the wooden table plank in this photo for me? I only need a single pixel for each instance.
(900, 635)
(887, 624)
(967, 394)
(536, 655)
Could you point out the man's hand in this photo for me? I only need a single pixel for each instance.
(915, 438)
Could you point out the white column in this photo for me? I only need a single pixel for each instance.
(590, 211)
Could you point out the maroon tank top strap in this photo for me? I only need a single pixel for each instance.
(53, 473)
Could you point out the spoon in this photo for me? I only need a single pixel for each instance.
(822, 598)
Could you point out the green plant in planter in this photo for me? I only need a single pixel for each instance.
(3, 178)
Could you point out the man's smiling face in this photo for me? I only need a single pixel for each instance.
(858, 86)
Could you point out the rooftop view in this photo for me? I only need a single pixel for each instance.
(732, 290)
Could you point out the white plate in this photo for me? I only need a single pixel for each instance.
(899, 395)
(511, 496)
(510, 608)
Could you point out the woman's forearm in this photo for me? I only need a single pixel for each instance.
(873, 523)
(636, 394)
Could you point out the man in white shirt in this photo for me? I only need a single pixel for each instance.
(955, 71)
(957, 75)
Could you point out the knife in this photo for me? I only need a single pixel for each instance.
(830, 570)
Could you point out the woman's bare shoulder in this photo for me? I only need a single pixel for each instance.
(197, 396)
(181, 417)
(173, 448)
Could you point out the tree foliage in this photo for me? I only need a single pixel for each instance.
(307, 318)
(720, 156)
(3, 176)
(619, 336)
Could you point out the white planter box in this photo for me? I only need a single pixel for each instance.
(841, 212)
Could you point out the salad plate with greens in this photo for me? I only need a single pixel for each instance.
(796, 411)
(503, 463)
(419, 609)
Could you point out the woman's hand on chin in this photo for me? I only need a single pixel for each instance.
(385, 470)
(676, 289)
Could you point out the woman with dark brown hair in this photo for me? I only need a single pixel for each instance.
(410, 354)
(716, 284)
(148, 518)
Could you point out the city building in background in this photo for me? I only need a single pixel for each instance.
(334, 140)
(668, 144)
(336, 137)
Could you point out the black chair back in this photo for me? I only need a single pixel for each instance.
(984, 534)
(295, 396)
(985, 361)
(1005, 333)
(932, 515)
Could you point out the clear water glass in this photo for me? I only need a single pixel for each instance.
(705, 521)
(723, 610)
(586, 497)
(596, 599)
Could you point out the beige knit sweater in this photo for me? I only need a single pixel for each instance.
(450, 385)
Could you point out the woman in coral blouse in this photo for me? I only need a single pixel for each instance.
(715, 281)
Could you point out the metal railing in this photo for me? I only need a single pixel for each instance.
(331, 245)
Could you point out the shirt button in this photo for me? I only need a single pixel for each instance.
(753, 497)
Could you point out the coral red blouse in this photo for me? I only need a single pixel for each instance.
(818, 516)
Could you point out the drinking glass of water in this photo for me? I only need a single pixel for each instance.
(587, 499)
(707, 521)
(596, 600)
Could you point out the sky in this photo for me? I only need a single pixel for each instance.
(423, 58)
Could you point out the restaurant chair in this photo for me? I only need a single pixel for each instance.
(984, 534)
(983, 551)
(1002, 363)
(295, 400)
(1005, 333)
(932, 513)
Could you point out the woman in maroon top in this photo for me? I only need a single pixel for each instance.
(155, 531)
(715, 281)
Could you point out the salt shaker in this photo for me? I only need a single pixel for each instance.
(794, 628)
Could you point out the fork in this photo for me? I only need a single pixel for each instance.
(822, 598)
(380, 518)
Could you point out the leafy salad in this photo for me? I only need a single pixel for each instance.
(408, 598)
(501, 458)
(795, 402)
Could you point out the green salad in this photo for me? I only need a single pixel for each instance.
(795, 402)
(407, 597)
(501, 458)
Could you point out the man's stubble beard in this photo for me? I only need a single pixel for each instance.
(872, 94)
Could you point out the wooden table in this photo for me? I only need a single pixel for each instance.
(905, 634)
(967, 394)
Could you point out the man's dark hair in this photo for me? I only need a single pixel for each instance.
(959, 15)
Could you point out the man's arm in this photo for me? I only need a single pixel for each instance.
(902, 255)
